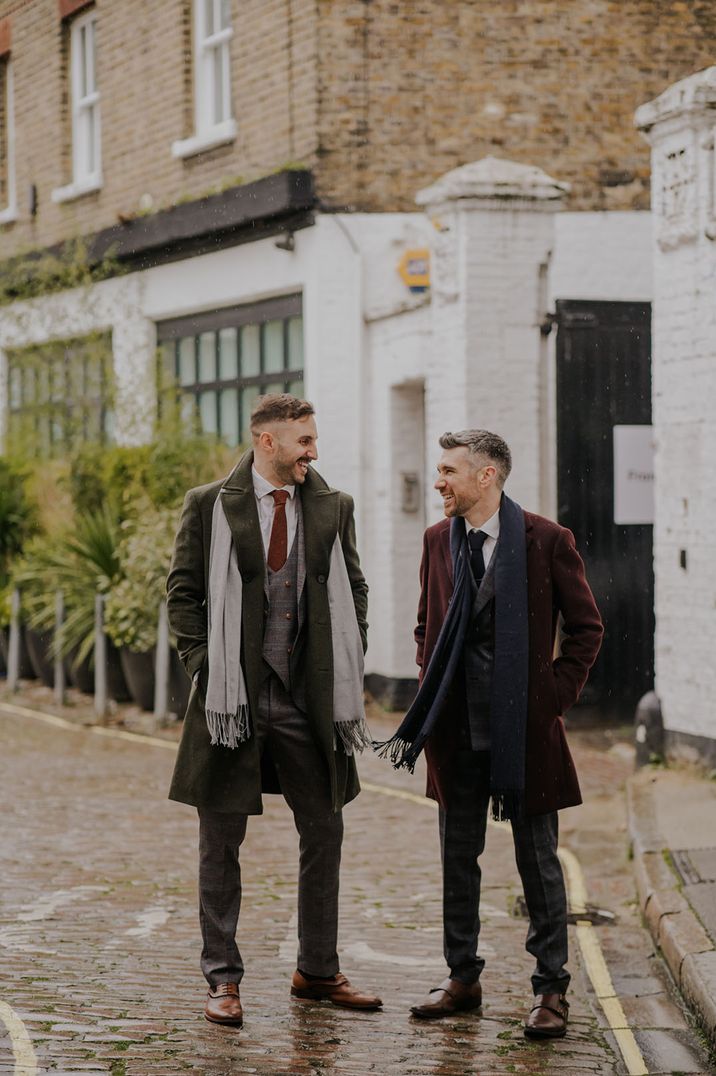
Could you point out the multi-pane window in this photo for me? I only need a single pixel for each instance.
(85, 101)
(60, 395)
(7, 138)
(216, 364)
(213, 80)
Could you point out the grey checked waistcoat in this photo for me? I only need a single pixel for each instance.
(283, 618)
(478, 660)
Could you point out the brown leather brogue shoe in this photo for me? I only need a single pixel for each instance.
(223, 1005)
(547, 1018)
(450, 997)
(336, 990)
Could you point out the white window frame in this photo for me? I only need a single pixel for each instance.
(212, 126)
(8, 212)
(86, 175)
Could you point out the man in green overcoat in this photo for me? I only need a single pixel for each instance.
(268, 604)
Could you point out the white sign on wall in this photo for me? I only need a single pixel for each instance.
(633, 474)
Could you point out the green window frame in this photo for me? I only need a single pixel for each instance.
(212, 366)
(60, 395)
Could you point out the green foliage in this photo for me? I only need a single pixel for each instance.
(60, 393)
(17, 514)
(161, 472)
(107, 518)
(80, 563)
(144, 555)
(40, 272)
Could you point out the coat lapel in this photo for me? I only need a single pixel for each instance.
(239, 503)
(320, 507)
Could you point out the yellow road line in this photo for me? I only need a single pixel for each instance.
(598, 971)
(25, 1059)
(592, 954)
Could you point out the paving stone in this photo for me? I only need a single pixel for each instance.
(87, 826)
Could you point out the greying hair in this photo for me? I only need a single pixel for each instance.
(483, 443)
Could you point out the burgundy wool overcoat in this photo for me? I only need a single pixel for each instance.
(556, 584)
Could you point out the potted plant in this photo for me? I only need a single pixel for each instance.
(80, 562)
(17, 520)
(132, 608)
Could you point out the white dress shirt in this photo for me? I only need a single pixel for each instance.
(491, 527)
(265, 504)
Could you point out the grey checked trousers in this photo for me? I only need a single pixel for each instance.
(304, 783)
(462, 841)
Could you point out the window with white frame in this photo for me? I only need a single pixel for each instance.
(84, 97)
(213, 121)
(85, 101)
(8, 206)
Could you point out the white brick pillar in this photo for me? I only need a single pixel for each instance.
(680, 126)
(492, 239)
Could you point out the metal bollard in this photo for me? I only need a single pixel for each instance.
(59, 663)
(13, 646)
(648, 730)
(161, 667)
(100, 659)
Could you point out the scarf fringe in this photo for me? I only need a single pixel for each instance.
(229, 730)
(354, 735)
(398, 751)
(506, 806)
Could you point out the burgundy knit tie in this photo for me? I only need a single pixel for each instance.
(278, 545)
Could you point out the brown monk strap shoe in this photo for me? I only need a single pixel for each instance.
(223, 1005)
(336, 990)
(450, 997)
(548, 1017)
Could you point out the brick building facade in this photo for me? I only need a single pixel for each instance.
(376, 98)
(254, 171)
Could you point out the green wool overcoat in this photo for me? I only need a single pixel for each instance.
(232, 779)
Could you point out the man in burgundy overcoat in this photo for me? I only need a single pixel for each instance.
(494, 582)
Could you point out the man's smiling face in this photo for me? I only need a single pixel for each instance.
(295, 449)
(458, 481)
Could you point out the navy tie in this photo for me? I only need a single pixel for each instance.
(476, 540)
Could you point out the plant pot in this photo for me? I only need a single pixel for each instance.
(179, 685)
(80, 676)
(138, 669)
(27, 671)
(38, 647)
(117, 688)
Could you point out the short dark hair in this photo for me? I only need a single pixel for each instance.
(483, 443)
(278, 407)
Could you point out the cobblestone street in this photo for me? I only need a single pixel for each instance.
(99, 937)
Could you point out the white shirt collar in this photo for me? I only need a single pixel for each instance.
(262, 487)
(491, 526)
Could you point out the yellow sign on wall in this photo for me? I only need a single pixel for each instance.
(414, 268)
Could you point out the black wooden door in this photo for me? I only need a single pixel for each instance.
(604, 380)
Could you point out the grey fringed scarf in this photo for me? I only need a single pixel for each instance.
(227, 700)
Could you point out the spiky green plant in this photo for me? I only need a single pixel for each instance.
(81, 563)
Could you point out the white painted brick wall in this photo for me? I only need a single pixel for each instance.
(679, 126)
(371, 346)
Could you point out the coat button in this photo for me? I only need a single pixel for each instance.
(287, 583)
(321, 578)
(288, 616)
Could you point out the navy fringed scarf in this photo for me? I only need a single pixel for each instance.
(508, 699)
